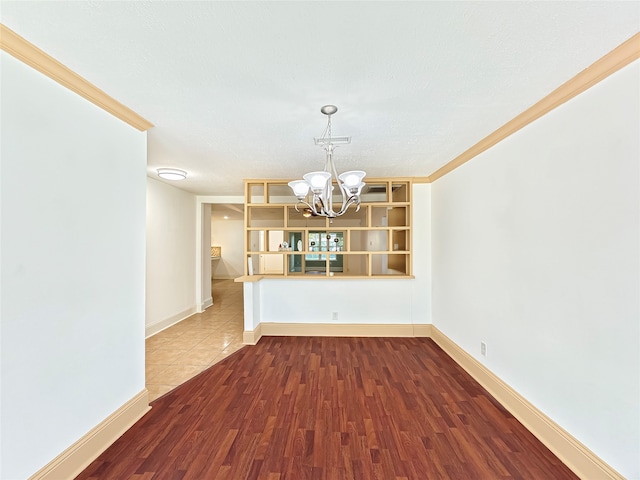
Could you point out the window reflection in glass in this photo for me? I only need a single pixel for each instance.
(325, 242)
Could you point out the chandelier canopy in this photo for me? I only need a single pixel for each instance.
(316, 190)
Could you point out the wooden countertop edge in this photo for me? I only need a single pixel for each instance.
(257, 278)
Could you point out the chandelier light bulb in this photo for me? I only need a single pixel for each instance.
(300, 188)
(317, 180)
(351, 180)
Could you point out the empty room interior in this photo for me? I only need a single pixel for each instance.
(392, 240)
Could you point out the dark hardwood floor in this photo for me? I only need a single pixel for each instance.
(329, 408)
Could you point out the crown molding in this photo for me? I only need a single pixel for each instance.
(613, 61)
(26, 52)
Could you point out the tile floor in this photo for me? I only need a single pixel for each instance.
(180, 352)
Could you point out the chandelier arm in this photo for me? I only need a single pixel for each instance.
(304, 203)
(317, 199)
(346, 196)
(346, 204)
(345, 193)
(327, 207)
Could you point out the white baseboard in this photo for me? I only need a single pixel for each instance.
(79, 455)
(582, 461)
(153, 328)
(207, 303)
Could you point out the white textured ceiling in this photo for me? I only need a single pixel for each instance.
(235, 88)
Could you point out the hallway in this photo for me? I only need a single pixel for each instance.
(180, 352)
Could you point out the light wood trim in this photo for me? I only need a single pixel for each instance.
(339, 330)
(291, 206)
(422, 330)
(369, 179)
(79, 455)
(301, 276)
(26, 52)
(582, 461)
(332, 229)
(248, 278)
(421, 179)
(252, 337)
(613, 61)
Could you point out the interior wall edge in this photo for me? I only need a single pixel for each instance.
(80, 455)
(575, 455)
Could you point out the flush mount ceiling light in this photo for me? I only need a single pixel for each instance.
(171, 174)
(316, 190)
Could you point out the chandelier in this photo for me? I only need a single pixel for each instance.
(316, 190)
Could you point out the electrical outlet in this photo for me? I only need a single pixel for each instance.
(483, 349)
(334, 316)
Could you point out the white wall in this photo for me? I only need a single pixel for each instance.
(205, 235)
(421, 307)
(229, 234)
(171, 255)
(375, 301)
(536, 252)
(370, 301)
(72, 288)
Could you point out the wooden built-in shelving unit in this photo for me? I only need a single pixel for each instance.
(372, 242)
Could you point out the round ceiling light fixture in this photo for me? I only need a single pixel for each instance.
(171, 173)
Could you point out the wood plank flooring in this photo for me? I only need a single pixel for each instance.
(329, 408)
